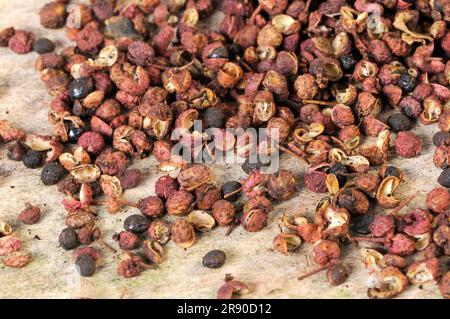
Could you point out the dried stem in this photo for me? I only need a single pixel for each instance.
(402, 204)
(313, 272)
(325, 103)
(288, 151)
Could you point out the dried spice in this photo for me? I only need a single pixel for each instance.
(214, 259)
(30, 215)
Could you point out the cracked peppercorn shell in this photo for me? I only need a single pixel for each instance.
(52, 173)
(326, 251)
(33, 159)
(399, 122)
(43, 45)
(85, 265)
(214, 259)
(5, 35)
(68, 239)
(408, 144)
(136, 224)
(165, 186)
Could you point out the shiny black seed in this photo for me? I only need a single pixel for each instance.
(444, 178)
(231, 191)
(339, 170)
(214, 259)
(52, 173)
(213, 117)
(68, 239)
(85, 265)
(361, 224)
(74, 133)
(136, 224)
(407, 82)
(441, 138)
(235, 50)
(251, 164)
(399, 122)
(33, 159)
(80, 88)
(43, 45)
(219, 53)
(348, 62)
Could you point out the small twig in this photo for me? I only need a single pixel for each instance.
(313, 272)
(402, 204)
(325, 103)
(288, 151)
(232, 227)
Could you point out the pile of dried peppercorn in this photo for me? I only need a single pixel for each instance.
(318, 73)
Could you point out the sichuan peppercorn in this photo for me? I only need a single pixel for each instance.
(52, 173)
(136, 224)
(408, 144)
(33, 159)
(30, 215)
(214, 259)
(444, 178)
(127, 240)
(85, 265)
(16, 152)
(399, 122)
(231, 191)
(68, 239)
(339, 170)
(43, 45)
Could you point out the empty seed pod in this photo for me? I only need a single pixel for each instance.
(86, 173)
(385, 193)
(153, 251)
(306, 134)
(392, 282)
(201, 220)
(286, 242)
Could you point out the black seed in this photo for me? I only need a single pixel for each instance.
(399, 122)
(80, 88)
(251, 164)
(444, 178)
(235, 50)
(219, 53)
(348, 62)
(361, 224)
(337, 274)
(52, 173)
(33, 159)
(232, 187)
(85, 265)
(74, 133)
(213, 117)
(136, 224)
(43, 45)
(392, 171)
(339, 170)
(214, 259)
(68, 239)
(407, 82)
(441, 138)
